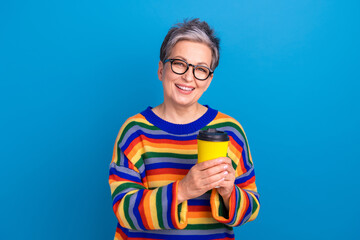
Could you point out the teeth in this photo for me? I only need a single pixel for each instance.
(184, 88)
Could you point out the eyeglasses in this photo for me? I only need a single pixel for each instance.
(180, 67)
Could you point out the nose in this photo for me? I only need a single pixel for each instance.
(189, 74)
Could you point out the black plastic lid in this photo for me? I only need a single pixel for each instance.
(213, 135)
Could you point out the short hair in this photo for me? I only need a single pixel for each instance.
(192, 30)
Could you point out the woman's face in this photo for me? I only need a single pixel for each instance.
(185, 90)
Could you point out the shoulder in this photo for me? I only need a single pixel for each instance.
(135, 120)
(238, 140)
(133, 124)
(232, 127)
(227, 123)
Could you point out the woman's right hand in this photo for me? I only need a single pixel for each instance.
(201, 178)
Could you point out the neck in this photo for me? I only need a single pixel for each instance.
(179, 114)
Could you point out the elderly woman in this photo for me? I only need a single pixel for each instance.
(159, 190)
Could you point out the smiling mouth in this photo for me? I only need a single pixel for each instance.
(184, 88)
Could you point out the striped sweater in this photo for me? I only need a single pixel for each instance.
(151, 156)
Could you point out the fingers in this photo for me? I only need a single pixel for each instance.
(209, 164)
(214, 162)
(214, 171)
(215, 166)
(227, 184)
(228, 181)
(230, 168)
(212, 177)
(216, 184)
(206, 176)
(229, 178)
(209, 180)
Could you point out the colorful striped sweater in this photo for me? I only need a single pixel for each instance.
(151, 156)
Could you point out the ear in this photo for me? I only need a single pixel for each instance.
(160, 70)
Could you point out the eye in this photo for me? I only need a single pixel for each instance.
(179, 63)
(202, 69)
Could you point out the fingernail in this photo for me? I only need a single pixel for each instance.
(220, 160)
(226, 166)
(226, 172)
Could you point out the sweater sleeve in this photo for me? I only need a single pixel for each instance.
(134, 204)
(244, 202)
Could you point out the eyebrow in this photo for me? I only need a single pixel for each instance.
(199, 63)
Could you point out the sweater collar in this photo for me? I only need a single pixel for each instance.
(174, 128)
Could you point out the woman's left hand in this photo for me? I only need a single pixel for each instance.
(226, 187)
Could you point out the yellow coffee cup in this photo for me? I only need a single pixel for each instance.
(212, 144)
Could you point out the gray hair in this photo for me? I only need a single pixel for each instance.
(192, 30)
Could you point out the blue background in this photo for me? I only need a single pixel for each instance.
(72, 71)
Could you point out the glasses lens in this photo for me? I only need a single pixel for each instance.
(179, 66)
(201, 72)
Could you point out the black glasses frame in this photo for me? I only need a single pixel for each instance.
(171, 60)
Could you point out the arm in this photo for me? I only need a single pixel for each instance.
(242, 205)
(134, 204)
